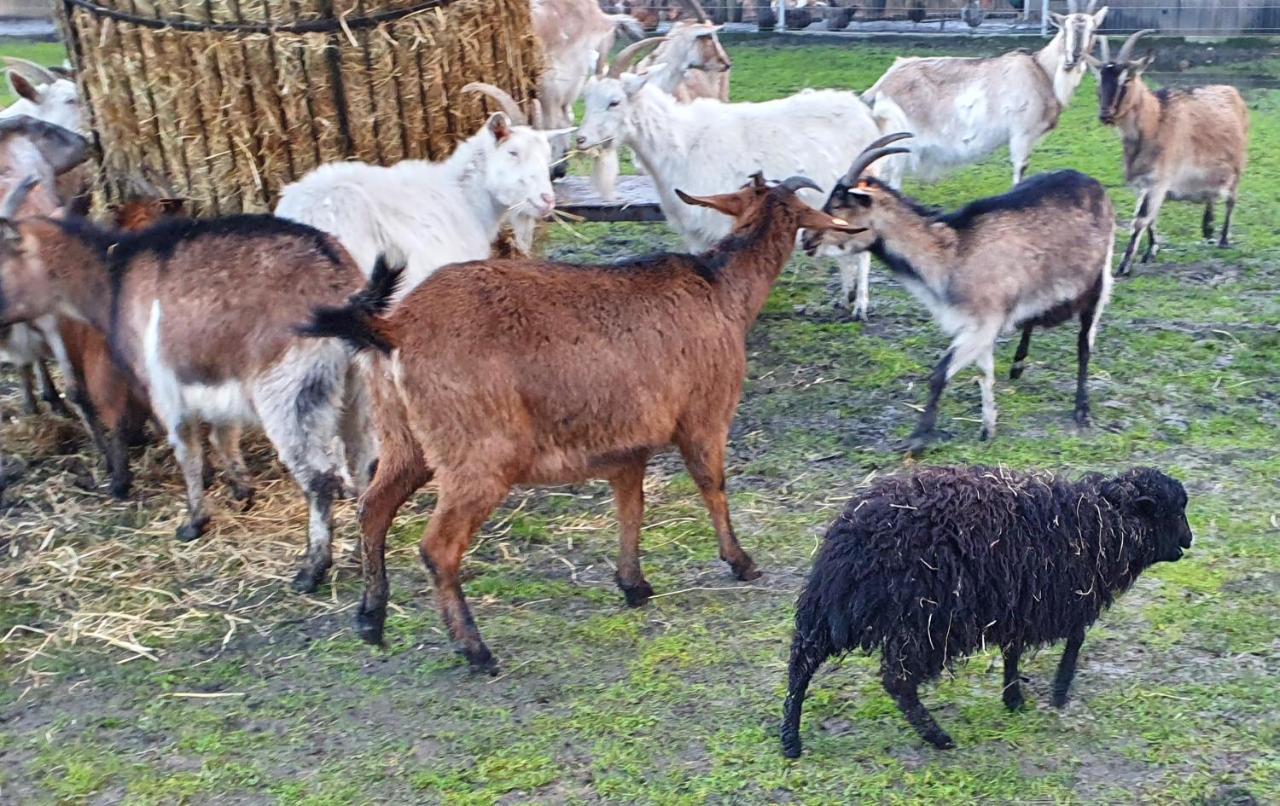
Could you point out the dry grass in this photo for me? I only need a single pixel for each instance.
(79, 567)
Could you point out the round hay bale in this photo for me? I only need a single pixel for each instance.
(223, 102)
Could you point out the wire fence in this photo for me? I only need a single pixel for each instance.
(1179, 17)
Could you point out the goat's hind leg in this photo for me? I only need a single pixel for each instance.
(226, 444)
(185, 439)
(704, 457)
(1012, 692)
(628, 496)
(905, 692)
(1206, 223)
(1020, 355)
(27, 376)
(49, 391)
(1084, 348)
(1224, 242)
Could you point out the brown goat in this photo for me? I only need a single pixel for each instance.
(506, 372)
(1180, 144)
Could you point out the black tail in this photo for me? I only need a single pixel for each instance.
(807, 654)
(354, 322)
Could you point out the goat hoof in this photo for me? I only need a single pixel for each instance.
(917, 445)
(1059, 699)
(370, 623)
(987, 434)
(308, 579)
(192, 529)
(244, 494)
(1015, 372)
(120, 490)
(940, 740)
(637, 595)
(747, 571)
(480, 659)
(1224, 244)
(791, 746)
(1015, 702)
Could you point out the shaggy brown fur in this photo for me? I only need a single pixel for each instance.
(505, 372)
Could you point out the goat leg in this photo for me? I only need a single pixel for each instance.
(1206, 223)
(905, 692)
(923, 434)
(321, 488)
(464, 505)
(185, 439)
(1067, 668)
(1012, 693)
(1153, 244)
(28, 379)
(226, 444)
(704, 457)
(628, 496)
(1223, 242)
(1140, 222)
(1020, 355)
(987, 364)
(49, 391)
(1084, 345)
(117, 455)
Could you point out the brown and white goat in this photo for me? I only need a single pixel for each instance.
(1033, 257)
(503, 372)
(693, 53)
(203, 314)
(1180, 144)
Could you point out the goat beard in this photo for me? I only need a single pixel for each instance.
(604, 175)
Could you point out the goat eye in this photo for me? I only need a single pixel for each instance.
(612, 104)
(514, 153)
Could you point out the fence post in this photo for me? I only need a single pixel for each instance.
(1044, 16)
(782, 15)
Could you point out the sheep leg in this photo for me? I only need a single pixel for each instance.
(27, 375)
(628, 496)
(1206, 223)
(49, 391)
(401, 472)
(704, 459)
(807, 654)
(225, 440)
(905, 693)
(465, 503)
(1012, 693)
(987, 363)
(185, 440)
(1020, 355)
(1223, 242)
(1067, 668)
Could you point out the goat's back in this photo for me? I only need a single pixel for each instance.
(1202, 142)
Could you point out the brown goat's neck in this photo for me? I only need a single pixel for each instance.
(79, 276)
(1139, 122)
(915, 247)
(749, 262)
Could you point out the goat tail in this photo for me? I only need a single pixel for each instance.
(358, 322)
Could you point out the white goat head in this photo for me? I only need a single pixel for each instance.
(608, 97)
(690, 46)
(1078, 29)
(551, 154)
(43, 94)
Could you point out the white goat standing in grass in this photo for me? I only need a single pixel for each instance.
(428, 214)
(962, 109)
(708, 147)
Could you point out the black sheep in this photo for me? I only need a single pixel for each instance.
(932, 566)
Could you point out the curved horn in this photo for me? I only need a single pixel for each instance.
(866, 158)
(30, 69)
(794, 183)
(695, 8)
(537, 118)
(1126, 51)
(887, 139)
(13, 202)
(629, 54)
(1106, 49)
(504, 100)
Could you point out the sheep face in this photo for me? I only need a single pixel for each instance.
(1114, 81)
(1078, 31)
(518, 171)
(56, 102)
(1161, 501)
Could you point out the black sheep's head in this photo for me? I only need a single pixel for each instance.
(1162, 502)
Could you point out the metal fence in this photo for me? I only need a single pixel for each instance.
(1183, 17)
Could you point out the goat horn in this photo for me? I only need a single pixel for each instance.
(695, 8)
(1106, 49)
(794, 183)
(866, 158)
(13, 202)
(537, 118)
(887, 139)
(30, 69)
(1126, 51)
(504, 100)
(628, 54)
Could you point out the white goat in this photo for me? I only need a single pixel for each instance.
(573, 33)
(708, 147)
(42, 94)
(427, 214)
(962, 109)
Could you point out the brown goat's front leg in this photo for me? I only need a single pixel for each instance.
(465, 503)
(923, 434)
(705, 460)
(1012, 694)
(628, 496)
(1144, 218)
(185, 440)
(1067, 668)
(399, 475)
(1206, 223)
(1224, 242)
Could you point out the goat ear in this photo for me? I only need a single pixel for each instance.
(23, 88)
(634, 82)
(1099, 16)
(62, 148)
(1056, 19)
(9, 232)
(730, 204)
(1142, 64)
(499, 126)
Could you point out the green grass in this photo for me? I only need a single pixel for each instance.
(1175, 702)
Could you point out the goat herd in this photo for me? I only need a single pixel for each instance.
(336, 327)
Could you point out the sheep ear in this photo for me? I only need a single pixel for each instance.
(23, 88)
(499, 126)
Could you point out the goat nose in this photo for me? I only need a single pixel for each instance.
(581, 140)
